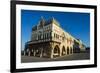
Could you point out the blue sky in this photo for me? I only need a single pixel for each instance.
(77, 24)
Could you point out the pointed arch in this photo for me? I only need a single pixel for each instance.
(67, 50)
(63, 50)
(56, 51)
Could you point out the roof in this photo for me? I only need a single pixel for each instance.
(44, 22)
(34, 28)
(52, 20)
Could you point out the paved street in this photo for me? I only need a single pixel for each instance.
(75, 56)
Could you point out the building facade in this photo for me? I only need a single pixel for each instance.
(49, 40)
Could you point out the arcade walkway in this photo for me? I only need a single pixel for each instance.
(75, 56)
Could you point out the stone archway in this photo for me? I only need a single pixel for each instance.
(56, 51)
(63, 51)
(27, 52)
(68, 50)
(37, 52)
(31, 52)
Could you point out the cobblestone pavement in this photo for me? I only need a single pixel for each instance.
(75, 56)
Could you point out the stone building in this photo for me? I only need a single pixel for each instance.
(49, 40)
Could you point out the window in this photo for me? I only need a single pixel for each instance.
(47, 36)
(43, 36)
(38, 37)
(54, 35)
(50, 35)
(70, 40)
(63, 38)
(57, 36)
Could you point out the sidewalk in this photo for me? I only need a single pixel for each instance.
(75, 56)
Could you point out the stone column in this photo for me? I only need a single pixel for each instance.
(51, 50)
(34, 53)
(60, 52)
(41, 52)
(66, 50)
(24, 53)
(51, 56)
(29, 53)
